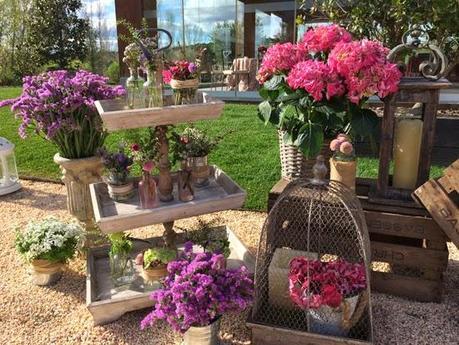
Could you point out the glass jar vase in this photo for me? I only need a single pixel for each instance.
(121, 269)
(152, 90)
(134, 88)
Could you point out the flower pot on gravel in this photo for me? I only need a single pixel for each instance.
(45, 272)
(77, 175)
(206, 335)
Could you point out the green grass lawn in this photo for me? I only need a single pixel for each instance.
(250, 154)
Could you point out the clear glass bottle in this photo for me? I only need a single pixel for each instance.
(121, 269)
(147, 191)
(134, 87)
(152, 90)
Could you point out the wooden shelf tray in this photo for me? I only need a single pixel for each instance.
(107, 303)
(117, 116)
(222, 193)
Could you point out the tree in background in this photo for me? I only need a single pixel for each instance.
(387, 20)
(57, 34)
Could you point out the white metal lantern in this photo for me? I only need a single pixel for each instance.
(9, 180)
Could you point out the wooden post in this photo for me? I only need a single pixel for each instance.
(165, 179)
(169, 235)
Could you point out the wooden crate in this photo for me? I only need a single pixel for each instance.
(107, 303)
(270, 335)
(409, 251)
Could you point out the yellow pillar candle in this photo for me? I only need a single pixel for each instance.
(407, 146)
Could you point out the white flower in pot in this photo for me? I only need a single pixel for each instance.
(47, 245)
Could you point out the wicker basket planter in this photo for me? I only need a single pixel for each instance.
(155, 273)
(294, 164)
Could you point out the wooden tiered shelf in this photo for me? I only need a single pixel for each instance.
(222, 193)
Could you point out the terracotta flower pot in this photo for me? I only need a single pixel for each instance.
(155, 273)
(45, 272)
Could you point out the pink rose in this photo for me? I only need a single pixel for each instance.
(346, 148)
(331, 296)
(342, 137)
(335, 144)
(148, 166)
(135, 147)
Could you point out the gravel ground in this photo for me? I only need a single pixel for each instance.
(57, 315)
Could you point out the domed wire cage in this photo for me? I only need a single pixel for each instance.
(319, 226)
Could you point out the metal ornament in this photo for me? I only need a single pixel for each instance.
(416, 39)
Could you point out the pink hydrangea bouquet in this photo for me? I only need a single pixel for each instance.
(313, 283)
(180, 70)
(317, 87)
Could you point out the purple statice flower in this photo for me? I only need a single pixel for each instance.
(198, 290)
(192, 68)
(58, 103)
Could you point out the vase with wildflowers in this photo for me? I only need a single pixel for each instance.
(121, 265)
(343, 163)
(47, 245)
(134, 83)
(318, 87)
(145, 153)
(328, 291)
(183, 77)
(198, 290)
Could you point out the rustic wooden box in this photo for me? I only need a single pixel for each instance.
(107, 303)
(409, 252)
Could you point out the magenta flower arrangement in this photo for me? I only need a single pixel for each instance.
(198, 290)
(180, 70)
(60, 106)
(313, 283)
(317, 87)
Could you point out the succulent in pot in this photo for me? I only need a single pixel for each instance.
(343, 163)
(47, 245)
(197, 291)
(328, 291)
(117, 165)
(121, 265)
(155, 262)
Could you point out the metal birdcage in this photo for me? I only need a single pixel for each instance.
(321, 222)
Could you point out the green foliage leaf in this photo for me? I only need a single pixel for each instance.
(265, 110)
(310, 139)
(364, 122)
(274, 82)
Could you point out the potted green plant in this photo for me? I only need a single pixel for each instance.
(121, 266)
(47, 245)
(155, 262)
(59, 106)
(194, 145)
(117, 165)
(318, 88)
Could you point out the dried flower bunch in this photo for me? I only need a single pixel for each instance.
(342, 148)
(314, 283)
(49, 239)
(132, 55)
(180, 70)
(317, 87)
(198, 290)
(60, 106)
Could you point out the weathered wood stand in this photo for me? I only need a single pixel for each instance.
(106, 303)
(409, 253)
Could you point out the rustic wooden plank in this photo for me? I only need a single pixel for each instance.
(409, 256)
(116, 116)
(403, 226)
(386, 145)
(418, 289)
(111, 216)
(441, 207)
(423, 84)
(269, 335)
